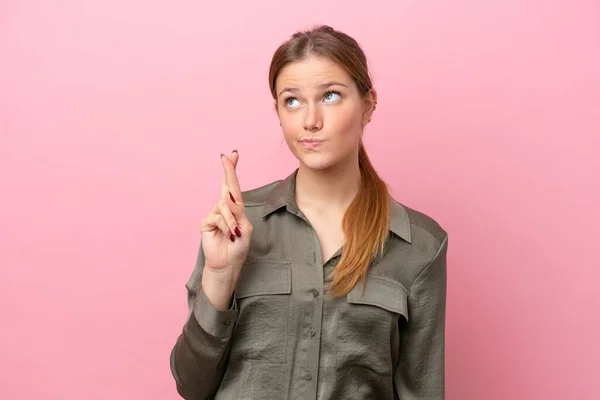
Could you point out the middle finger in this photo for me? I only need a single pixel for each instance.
(226, 212)
(231, 178)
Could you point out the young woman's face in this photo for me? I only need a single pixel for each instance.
(321, 111)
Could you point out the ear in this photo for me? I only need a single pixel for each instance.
(369, 106)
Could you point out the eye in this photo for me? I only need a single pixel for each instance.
(287, 102)
(331, 95)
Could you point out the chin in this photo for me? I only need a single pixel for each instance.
(317, 162)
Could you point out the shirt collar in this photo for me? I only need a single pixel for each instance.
(283, 195)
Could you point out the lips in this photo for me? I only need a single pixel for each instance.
(311, 143)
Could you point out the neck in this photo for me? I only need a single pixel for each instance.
(332, 188)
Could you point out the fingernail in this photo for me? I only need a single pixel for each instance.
(232, 238)
(237, 232)
(232, 198)
(222, 155)
(234, 151)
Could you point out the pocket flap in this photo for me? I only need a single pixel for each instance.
(262, 277)
(381, 292)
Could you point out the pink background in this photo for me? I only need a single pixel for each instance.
(112, 117)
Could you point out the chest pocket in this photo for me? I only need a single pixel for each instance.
(263, 296)
(368, 325)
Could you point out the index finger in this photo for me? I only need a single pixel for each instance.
(231, 177)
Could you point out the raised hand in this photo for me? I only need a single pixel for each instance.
(226, 233)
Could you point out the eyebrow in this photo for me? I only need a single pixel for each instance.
(323, 85)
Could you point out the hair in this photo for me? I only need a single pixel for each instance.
(366, 221)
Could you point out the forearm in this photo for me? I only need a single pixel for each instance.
(219, 285)
(198, 358)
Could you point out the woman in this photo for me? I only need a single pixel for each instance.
(319, 286)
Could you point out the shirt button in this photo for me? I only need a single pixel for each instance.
(227, 322)
(315, 292)
(334, 262)
(311, 332)
(308, 376)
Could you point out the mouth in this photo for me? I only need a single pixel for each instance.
(311, 143)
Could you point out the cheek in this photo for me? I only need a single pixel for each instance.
(347, 125)
(350, 123)
(290, 138)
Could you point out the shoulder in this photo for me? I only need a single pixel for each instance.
(257, 197)
(424, 226)
(427, 237)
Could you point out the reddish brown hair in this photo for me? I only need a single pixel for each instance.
(366, 221)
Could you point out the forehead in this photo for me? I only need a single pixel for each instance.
(311, 72)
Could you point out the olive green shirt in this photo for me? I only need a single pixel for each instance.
(285, 338)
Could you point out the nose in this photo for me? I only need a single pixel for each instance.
(312, 119)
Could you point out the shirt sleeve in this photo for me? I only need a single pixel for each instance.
(420, 370)
(199, 355)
